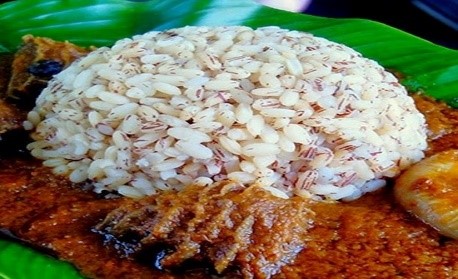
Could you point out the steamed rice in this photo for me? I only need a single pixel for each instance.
(294, 113)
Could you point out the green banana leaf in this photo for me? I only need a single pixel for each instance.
(19, 262)
(427, 67)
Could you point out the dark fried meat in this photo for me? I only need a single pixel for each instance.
(5, 72)
(24, 75)
(35, 63)
(10, 117)
(226, 224)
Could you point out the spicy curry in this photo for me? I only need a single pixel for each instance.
(370, 237)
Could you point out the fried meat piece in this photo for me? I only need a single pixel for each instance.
(37, 60)
(24, 75)
(225, 224)
(5, 72)
(10, 117)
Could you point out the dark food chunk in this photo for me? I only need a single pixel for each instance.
(5, 72)
(34, 64)
(45, 68)
(10, 117)
(13, 143)
(226, 224)
(24, 75)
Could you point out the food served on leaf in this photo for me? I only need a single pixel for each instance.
(227, 150)
(282, 109)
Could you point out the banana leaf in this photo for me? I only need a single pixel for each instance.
(19, 262)
(426, 67)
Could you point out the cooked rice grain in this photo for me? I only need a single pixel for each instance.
(291, 112)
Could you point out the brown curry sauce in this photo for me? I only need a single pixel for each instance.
(371, 237)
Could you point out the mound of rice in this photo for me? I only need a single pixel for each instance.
(282, 109)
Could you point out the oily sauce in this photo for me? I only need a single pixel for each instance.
(372, 237)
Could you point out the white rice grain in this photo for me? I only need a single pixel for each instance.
(194, 150)
(260, 149)
(183, 133)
